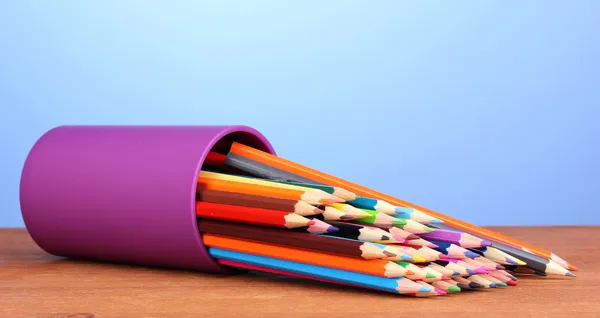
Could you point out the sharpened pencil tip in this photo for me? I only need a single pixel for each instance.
(385, 238)
(511, 283)
(431, 245)
(332, 229)
(485, 243)
(437, 221)
(511, 261)
(389, 254)
(476, 285)
(400, 209)
(470, 254)
(481, 271)
(453, 289)
(424, 289)
(444, 277)
(493, 285)
(311, 222)
(413, 237)
(570, 274)
(571, 267)
(470, 271)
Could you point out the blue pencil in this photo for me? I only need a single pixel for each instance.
(391, 285)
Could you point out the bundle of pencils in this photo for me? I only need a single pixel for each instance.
(260, 212)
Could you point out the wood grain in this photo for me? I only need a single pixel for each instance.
(35, 284)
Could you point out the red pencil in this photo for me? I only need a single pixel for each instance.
(242, 214)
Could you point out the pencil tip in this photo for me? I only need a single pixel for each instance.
(485, 243)
(389, 254)
(470, 254)
(437, 221)
(332, 229)
(570, 274)
(453, 289)
(511, 261)
(400, 209)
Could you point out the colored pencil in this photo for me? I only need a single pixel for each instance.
(457, 238)
(336, 191)
(489, 262)
(473, 269)
(401, 235)
(321, 243)
(373, 204)
(435, 291)
(432, 274)
(262, 182)
(411, 226)
(465, 284)
(238, 187)
(416, 215)
(296, 171)
(498, 256)
(494, 280)
(417, 272)
(381, 268)
(257, 216)
(454, 251)
(480, 280)
(332, 214)
(505, 279)
(461, 270)
(217, 160)
(428, 253)
(443, 270)
(360, 232)
(446, 286)
(402, 255)
(479, 264)
(533, 261)
(392, 285)
(420, 242)
(507, 274)
(376, 218)
(350, 210)
(255, 201)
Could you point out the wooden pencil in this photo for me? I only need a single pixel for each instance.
(255, 201)
(461, 270)
(402, 235)
(266, 183)
(465, 284)
(321, 243)
(360, 232)
(257, 216)
(391, 285)
(381, 268)
(336, 191)
(296, 171)
(238, 187)
(446, 286)
(454, 251)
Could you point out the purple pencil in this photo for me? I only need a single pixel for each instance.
(457, 238)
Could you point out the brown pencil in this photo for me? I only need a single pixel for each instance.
(256, 201)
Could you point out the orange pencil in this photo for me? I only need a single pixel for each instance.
(374, 267)
(261, 190)
(315, 175)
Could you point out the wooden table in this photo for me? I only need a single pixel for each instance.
(35, 284)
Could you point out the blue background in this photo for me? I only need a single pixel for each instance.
(488, 111)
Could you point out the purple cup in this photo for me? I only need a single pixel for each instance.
(123, 194)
